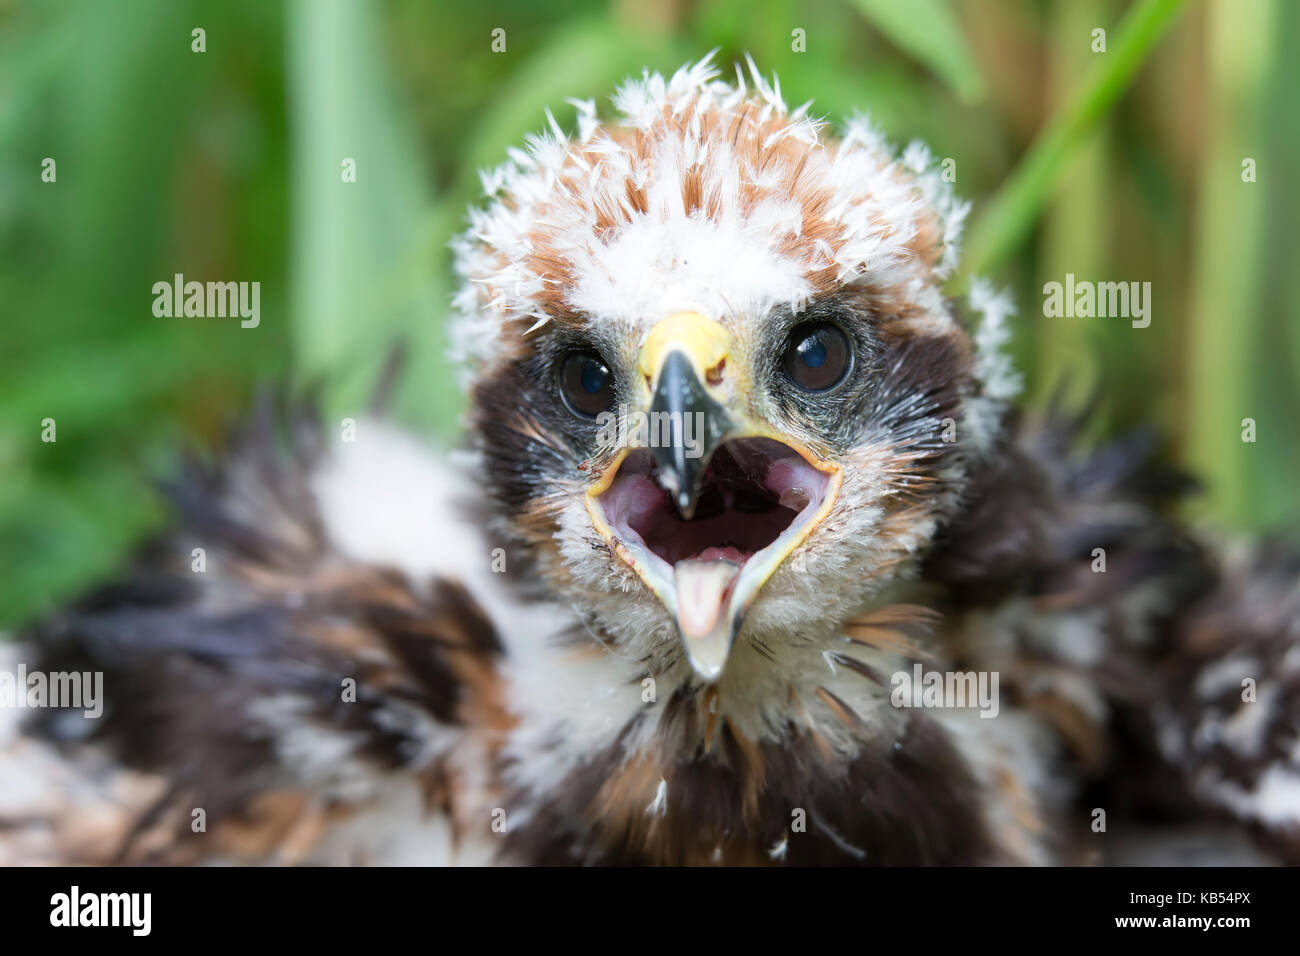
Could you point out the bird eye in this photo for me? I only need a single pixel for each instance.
(818, 356)
(587, 384)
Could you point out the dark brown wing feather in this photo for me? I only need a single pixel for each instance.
(208, 675)
(1167, 609)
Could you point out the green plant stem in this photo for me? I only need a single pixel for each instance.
(1015, 208)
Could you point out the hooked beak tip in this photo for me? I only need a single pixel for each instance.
(695, 422)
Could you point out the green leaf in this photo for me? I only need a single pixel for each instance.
(1242, 275)
(354, 293)
(928, 31)
(1013, 211)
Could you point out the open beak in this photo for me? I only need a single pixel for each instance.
(705, 504)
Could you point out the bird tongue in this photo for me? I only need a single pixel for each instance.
(703, 590)
(703, 586)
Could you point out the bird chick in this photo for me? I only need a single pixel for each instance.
(738, 469)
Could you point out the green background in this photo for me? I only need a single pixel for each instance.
(1122, 166)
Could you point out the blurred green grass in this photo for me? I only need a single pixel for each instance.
(225, 165)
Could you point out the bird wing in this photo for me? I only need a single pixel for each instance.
(1231, 718)
(268, 696)
(1166, 664)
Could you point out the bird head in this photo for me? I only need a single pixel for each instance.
(717, 390)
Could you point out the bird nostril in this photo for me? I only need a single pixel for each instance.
(714, 375)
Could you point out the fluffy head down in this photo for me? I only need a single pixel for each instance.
(703, 196)
(700, 195)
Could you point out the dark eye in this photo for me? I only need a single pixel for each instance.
(586, 383)
(818, 356)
